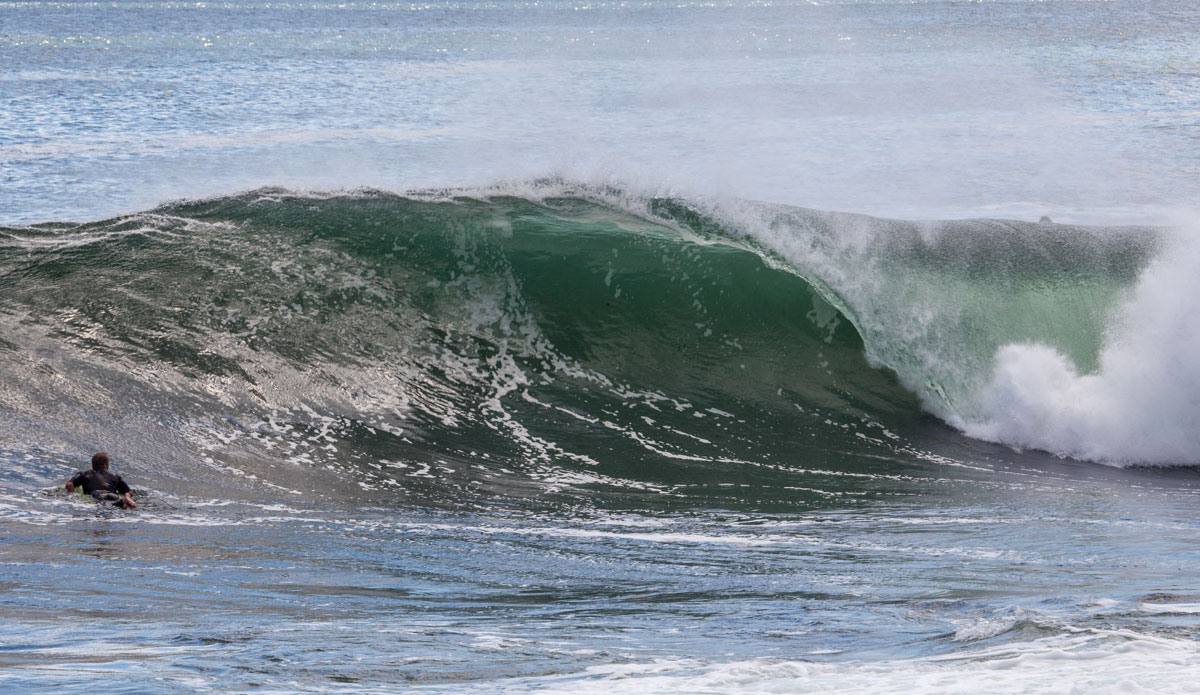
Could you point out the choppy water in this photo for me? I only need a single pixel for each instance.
(514, 347)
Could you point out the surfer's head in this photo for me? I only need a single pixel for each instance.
(100, 461)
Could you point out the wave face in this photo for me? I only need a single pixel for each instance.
(550, 342)
(1069, 339)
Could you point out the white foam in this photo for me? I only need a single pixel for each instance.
(1140, 406)
(1083, 662)
(984, 628)
(1171, 608)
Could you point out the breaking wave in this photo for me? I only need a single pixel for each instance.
(564, 337)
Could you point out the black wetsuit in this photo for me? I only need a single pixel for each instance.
(102, 485)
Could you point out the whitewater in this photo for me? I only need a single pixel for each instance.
(661, 347)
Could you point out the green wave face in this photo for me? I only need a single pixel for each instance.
(521, 346)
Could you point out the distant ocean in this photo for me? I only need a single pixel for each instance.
(571, 347)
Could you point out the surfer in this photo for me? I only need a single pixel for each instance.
(102, 485)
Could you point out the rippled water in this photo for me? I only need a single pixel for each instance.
(938, 578)
(935, 109)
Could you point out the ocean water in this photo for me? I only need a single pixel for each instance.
(650, 347)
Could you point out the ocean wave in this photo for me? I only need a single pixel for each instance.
(557, 337)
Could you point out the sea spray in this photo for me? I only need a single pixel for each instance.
(1142, 401)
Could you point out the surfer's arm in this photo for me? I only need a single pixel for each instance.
(125, 493)
(75, 481)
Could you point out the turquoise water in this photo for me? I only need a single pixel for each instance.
(518, 347)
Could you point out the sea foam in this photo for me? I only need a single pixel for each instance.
(1143, 402)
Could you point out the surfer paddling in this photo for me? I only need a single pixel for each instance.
(103, 485)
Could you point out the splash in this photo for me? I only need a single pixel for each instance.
(1140, 404)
